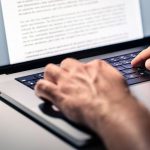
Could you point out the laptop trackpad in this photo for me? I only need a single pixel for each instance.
(51, 111)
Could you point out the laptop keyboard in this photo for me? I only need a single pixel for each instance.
(122, 63)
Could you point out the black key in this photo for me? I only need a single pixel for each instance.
(134, 55)
(124, 62)
(120, 68)
(132, 76)
(127, 66)
(22, 79)
(39, 75)
(26, 78)
(128, 71)
(113, 59)
(115, 64)
(30, 83)
(124, 57)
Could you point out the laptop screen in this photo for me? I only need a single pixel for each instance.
(36, 29)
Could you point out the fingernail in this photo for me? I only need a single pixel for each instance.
(147, 64)
(132, 62)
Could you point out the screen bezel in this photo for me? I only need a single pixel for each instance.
(8, 69)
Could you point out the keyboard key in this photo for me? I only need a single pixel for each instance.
(120, 68)
(113, 59)
(30, 83)
(133, 55)
(124, 62)
(127, 66)
(39, 75)
(125, 57)
(26, 78)
(132, 76)
(129, 71)
(115, 64)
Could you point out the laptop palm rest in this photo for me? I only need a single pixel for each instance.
(54, 121)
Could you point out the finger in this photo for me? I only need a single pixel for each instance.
(53, 73)
(69, 64)
(48, 91)
(141, 58)
(147, 64)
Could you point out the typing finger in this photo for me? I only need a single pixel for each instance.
(48, 91)
(141, 58)
(70, 64)
(147, 64)
(53, 73)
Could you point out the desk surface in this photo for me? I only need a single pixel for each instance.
(17, 132)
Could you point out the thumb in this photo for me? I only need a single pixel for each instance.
(147, 64)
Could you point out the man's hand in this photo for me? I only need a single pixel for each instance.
(96, 95)
(142, 59)
(83, 91)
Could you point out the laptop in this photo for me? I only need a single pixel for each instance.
(35, 33)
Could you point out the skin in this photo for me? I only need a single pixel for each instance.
(97, 96)
(142, 59)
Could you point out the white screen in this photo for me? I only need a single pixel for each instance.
(41, 28)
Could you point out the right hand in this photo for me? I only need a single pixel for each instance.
(142, 58)
(96, 95)
(83, 92)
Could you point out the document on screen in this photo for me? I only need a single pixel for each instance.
(41, 28)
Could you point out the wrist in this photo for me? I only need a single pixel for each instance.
(111, 113)
(129, 122)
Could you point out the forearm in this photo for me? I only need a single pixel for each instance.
(125, 127)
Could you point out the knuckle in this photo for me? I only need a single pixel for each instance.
(48, 67)
(47, 70)
(100, 64)
(64, 62)
(95, 62)
(67, 60)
